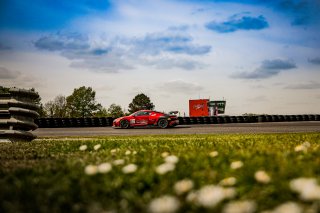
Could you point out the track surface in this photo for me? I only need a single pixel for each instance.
(251, 128)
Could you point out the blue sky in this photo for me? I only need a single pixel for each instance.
(261, 56)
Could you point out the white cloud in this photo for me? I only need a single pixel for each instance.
(267, 69)
(180, 86)
(304, 86)
(8, 74)
(12, 78)
(165, 50)
(260, 98)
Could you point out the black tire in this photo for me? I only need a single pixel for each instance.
(124, 124)
(163, 123)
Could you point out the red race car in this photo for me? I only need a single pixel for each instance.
(146, 118)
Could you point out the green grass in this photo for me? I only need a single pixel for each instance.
(48, 175)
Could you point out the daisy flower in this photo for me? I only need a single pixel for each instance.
(236, 165)
(183, 186)
(83, 147)
(164, 204)
(91, 169)
(130, 168)
(262, 177)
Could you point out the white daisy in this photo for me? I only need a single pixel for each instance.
(104, 168)
(96, 147)
(130, 168)
(262, 177)
(302, 147)
(230, 181)
(236, 165)
(83, 147)
(288, 207)
(240, 207)
(118, 162)
(164, 204)
(165, 168)
(183, 186)
(171, 159)
(209, 196)
(113, 151)
(213, 154)
(91, 169)
(165, 154)
(308, 188)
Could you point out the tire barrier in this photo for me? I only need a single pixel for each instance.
(74, 122)
(17, 114)
(107, 121)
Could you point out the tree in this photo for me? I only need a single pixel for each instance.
(38, 102)
(4, 89)
(115, 111)
(82, 102)
(101, 112)
(57, 107)
(140, 101)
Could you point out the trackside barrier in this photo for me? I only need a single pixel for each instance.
(17, 114)
(74, 122)
(107, 121)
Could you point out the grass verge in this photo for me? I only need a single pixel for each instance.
(56, 176)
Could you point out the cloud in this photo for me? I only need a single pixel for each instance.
(167, 49)
(169, 63)
(277, 64)
(261, 98)
(109, 64)
(4, 47)
(8, 74)
(63, 42)
(12, 78)
(168, 41)
(267, 69)
(301, 12)
(180, 86)
(314, 60)
(83, 52)
(307, 86)
(238, 22)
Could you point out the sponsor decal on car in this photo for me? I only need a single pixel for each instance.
(142, 122)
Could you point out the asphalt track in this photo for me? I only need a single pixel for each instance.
(238, 128)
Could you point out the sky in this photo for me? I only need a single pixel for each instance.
(261, 56)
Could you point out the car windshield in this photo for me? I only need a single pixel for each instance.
(140, 113)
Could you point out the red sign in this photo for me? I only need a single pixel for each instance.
(198, 107)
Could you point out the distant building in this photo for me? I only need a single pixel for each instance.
(205, 107)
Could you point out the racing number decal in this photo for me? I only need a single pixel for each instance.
(132, 121)
(144, 122)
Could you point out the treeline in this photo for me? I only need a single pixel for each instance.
(82, 103)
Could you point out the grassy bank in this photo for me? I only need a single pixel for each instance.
(217, 171)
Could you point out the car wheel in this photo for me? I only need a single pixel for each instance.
(163, 123)
(124, 124)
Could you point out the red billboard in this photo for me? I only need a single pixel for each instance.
(198, 108)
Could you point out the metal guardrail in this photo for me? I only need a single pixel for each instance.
(17, 114)
(107, 121)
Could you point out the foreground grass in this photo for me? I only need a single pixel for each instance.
(49, 175)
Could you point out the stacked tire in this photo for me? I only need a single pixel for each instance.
(74, 122)
(17, 114)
